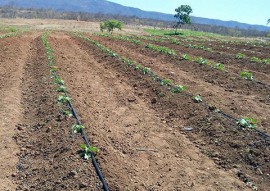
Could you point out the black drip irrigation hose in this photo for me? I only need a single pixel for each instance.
(258, 131)
(98, 171)
(266, 136)
(158, 79)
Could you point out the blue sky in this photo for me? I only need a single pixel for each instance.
(246, 11)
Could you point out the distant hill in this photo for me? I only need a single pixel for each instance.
(106, 7)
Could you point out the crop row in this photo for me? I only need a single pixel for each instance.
(247, 75)
(63, 99)
(243, 122)
(133, 39)
(202, 47)
(7, 35)
(67, 109)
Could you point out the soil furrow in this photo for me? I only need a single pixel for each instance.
(224, 95)
(13, 56)
(234, 48)
(233, 65)
(138, 149)
(48, 158)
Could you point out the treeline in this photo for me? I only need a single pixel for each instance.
(13, 12)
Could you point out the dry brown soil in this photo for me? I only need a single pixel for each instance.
(138, 125)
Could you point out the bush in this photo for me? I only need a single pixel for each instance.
(110, 25)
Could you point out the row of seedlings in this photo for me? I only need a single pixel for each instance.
(247, 75)
(245, 122)
(67, 109)
(176, 41)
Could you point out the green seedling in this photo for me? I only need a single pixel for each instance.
(155, 77)
(166, 82)
(247, 123)
(138, 67)
(161, 49)
(219, 66)
(63, 99)
(146, 70)
(246, 75)
(127, 61)
(53, 70)
(77, 128)
(255, 59)
(178, 89)
(174, 41)
(62, 89)
(185, 57)
(59, 81)
(197, 99)
(88, 151)
(240, 56)
(201, 61)
(266, 61)
(67, 113)
(112, 54)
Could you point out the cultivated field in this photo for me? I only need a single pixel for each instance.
(165, 112)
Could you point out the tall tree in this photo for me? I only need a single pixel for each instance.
(268, 21)
(182, 16)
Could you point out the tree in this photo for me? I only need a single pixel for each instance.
(110, 25)
(268, 21)
(182, 16)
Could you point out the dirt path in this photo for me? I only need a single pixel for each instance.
(233, 98)
(139, 151)
(14, 53)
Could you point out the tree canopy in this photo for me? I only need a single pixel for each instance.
(182, 15)
(110, 25)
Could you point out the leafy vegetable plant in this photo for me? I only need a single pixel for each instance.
(266, 61)
(219, 66)
(62, 89)
(166, 82)
(247, 123)
(185, 57)
(67, 113)
(240, 56)
(178, 88)
(63, 99)
(146, 70)
(246, 75)
(88, 151)
(197, 98)
(59, 81)
(255, 59)
(201, 61)
(161, 49)
(77, 128)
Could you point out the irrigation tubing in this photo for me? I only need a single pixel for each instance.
(99, 173)
(221, 112)
(258, 131)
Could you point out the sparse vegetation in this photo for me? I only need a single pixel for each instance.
(161, 49)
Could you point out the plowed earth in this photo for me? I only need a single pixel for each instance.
(138, 125)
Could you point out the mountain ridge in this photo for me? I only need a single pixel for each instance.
(106, 7)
